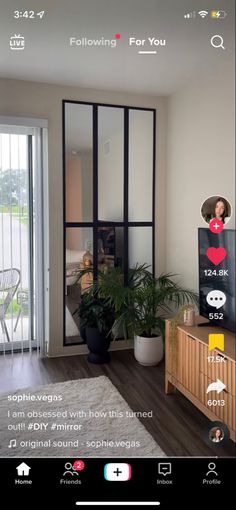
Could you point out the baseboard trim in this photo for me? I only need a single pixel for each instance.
(117, 345)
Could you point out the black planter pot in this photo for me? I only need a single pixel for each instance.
(98, 344)
(83, 335)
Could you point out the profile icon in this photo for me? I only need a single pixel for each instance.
(211, 469)
(216, 434)
(216, 207)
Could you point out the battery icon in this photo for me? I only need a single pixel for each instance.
(218, 14)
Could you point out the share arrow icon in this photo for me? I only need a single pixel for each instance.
(216, 386)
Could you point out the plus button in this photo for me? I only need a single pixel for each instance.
(117, 472)
(216, 226)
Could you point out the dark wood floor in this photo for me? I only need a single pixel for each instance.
(177, 426)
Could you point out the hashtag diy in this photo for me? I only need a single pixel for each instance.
(38, 426)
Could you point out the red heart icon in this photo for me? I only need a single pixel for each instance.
(216, 255)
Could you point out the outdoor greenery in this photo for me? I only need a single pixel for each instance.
(13, 194)
(13, 186)
(17, 212)
(13, 308)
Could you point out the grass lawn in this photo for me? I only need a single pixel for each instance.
(13, 308)
(16, 211)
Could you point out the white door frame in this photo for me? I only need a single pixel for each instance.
(37, 128)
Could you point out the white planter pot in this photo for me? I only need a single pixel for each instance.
(148, 351)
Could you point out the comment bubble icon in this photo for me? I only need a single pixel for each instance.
(216, 298)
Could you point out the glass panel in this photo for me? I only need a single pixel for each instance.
(110, 163)
(16, 272)
(110, 247)
(140, 246)
(79, 254)
(140, 165)
(79, 162)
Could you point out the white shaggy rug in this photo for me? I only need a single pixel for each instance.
(83, 418)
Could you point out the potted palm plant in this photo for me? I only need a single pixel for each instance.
(153, 301)
(142, 306)
(96, 317)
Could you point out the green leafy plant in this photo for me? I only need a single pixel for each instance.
(95, 312)
(142, 305)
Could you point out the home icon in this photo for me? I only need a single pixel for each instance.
(23, 469)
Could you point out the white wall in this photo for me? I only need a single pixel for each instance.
(200, 163)
(21, 98)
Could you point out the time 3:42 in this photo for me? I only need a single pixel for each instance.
(28, 14)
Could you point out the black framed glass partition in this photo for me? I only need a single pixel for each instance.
(109, 195)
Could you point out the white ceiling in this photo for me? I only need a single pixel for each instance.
(49, 58)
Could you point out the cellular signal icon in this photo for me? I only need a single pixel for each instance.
(190, 15)
(203, 14)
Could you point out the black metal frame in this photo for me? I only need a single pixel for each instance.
(96, 222)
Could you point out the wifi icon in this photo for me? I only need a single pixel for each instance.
(203, 14)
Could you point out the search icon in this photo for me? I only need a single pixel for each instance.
(217, 41)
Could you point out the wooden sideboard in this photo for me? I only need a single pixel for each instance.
(189, 370)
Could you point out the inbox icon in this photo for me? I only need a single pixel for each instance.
(164, 468)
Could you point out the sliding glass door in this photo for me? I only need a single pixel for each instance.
(17, 241)
(109, 182)
(20, 251)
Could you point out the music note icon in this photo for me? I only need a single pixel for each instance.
(12, 443)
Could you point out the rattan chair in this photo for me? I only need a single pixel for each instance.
(22, 299)
(9, 282)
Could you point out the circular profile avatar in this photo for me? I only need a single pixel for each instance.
(216, 207)
(216, 434)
